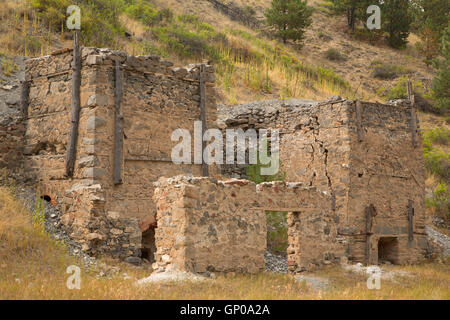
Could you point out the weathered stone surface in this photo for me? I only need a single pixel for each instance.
(202, 224)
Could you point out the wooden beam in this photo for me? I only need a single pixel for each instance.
(118, 138)
(411, 220)
(411, 98)
(76, 106)
(358, 120)
(24, 98)
(205, 169)
(370, 212)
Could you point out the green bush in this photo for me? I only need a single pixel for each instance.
(437, 162)
(146, 13)
(399, 90)
(437, 135)
(99, 19)
(387, 71)
(334, 55)
(440, 201)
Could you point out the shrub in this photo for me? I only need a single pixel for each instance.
(437, 162)
(437, 135)
(440, 201)
(146, 13)
(386, 71)
(399, 90)
(7, 66)
(334, 55)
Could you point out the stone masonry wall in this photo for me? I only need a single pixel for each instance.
(386, 172)
(12, 130)
(319, 146)
(205, 225)
(157, 99)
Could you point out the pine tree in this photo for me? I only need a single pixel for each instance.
(355, 10)
(396, 21)
(289, 19)
(435, 14)
(429, 44)
(441, 83)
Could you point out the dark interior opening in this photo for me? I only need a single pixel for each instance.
(388, 250)
(46, 198)
(148, 245)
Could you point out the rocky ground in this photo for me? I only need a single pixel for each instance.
(276, 263)
(441, 239)
(316, 283)
(10, 84)
(53, 224)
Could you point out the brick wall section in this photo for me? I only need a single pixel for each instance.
(209, 225)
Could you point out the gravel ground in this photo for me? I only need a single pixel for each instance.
(442, 239)
(171, 276)
(53, 224)
(316, 283)
(276, 263)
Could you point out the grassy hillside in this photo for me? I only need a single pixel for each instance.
(33, 266)
(250, 65)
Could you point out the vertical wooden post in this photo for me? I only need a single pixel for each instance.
(358, 120)
(411, 220)
(118, 137)
(76, 106)
(368, 227)
(205, 169)
(411, 98)
(24, 98)
(370, 213)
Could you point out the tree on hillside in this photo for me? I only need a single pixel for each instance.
(441, 83)
(428, 45)
(434, 14)
(396, 21)
(355, 10)
(289, 19)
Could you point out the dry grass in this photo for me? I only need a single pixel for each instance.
(32, 266)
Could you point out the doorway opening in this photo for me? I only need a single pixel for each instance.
(148, 245)
(277, 242)
(388, 250)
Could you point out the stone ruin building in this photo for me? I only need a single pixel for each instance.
(354, 171)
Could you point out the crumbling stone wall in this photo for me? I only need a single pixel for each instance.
(11, 154)
(371, 177)
(99, 232)
(386, 172)
(157, 99)
(12, 127)
(205, 225)
(320, 146)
